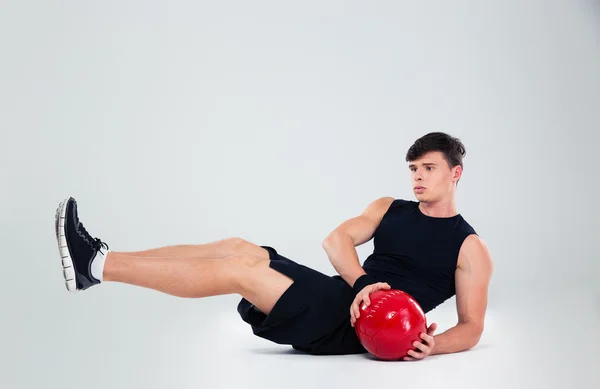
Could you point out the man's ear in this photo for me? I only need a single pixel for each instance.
(457, 173)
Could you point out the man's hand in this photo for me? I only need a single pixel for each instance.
(424, 347)
(363, 295)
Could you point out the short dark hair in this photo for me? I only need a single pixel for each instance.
(452, 148)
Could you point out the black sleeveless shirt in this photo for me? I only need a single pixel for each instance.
(417, 253)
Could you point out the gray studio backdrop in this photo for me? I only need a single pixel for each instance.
(185, 122)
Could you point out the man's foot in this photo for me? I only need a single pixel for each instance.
(78, 249)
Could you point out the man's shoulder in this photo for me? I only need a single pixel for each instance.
(465, 227)
(391, 201)
(474, 248)
(380, 207)
(472, 241)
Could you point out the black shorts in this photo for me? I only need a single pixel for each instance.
(312, 315)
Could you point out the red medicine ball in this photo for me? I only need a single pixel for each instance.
(388, 327)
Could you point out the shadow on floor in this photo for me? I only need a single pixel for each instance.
(291, 351)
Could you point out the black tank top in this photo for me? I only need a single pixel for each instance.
(417, 253)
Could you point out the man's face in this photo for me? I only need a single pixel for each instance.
(432, 178)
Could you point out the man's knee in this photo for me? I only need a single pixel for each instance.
(242, 246)
(234, 244)
(237, 241)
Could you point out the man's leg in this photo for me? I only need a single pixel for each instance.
(193, 277)
(187, 271)
(216, 249)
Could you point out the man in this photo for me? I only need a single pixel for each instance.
(423, 247)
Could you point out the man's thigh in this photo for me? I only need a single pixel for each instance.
(261, 285)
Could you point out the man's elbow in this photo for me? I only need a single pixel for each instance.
(334, 238)
(475, 333)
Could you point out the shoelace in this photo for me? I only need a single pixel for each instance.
(96, 243)
(99, 245)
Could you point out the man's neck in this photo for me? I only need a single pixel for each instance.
(439, 209)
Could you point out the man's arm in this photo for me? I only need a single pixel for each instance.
(340, 243)
(473, 274)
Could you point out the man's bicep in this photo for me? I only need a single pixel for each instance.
(361, 228)
(472, 281)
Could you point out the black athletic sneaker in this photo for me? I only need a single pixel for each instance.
(76, 246)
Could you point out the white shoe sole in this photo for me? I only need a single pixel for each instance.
(63, 248)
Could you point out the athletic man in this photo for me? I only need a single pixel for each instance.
(423, 247)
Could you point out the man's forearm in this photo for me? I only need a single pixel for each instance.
(344, 258)
(459, 338)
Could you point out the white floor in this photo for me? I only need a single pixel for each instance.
(126, 337)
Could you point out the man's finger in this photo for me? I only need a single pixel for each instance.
(421, 347)
(382, 285)
(414, 354)
(427, 338)
(431, 328)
